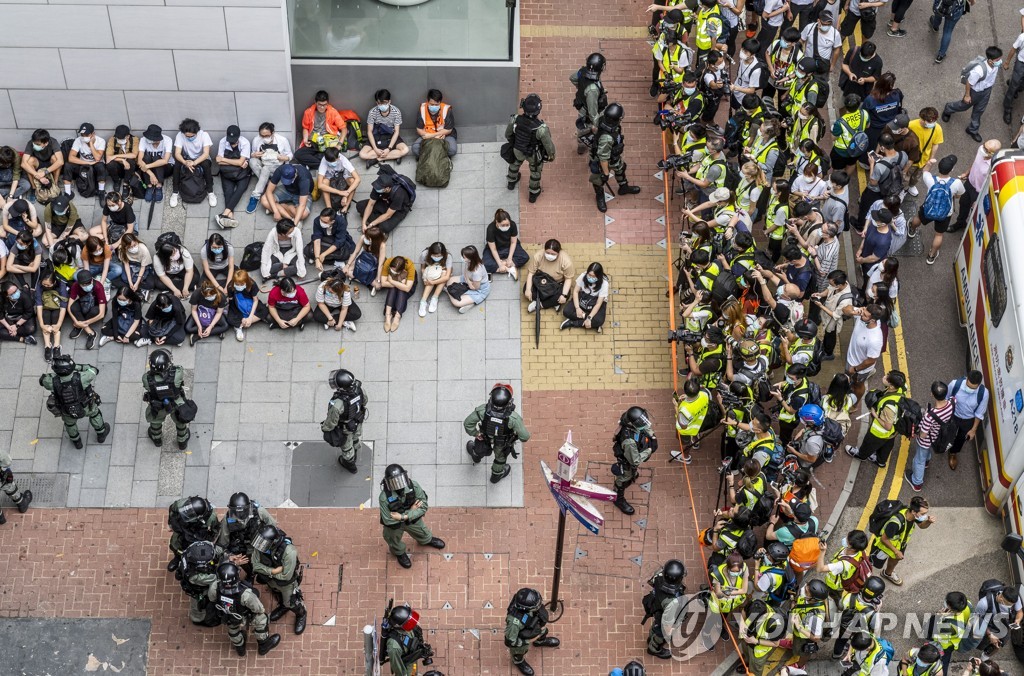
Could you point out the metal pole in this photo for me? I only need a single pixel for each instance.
(558, 560)
(369, 642)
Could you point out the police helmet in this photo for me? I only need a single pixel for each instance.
(342, 379)
(811, 415)
(202, 556)
(527, 599)
(239, 506)
(874, 587)
(613, 113)
(194, 509)
(808, 65)
(264, 540)
(806, 329)
(674, 571)
(638, 418)
(634, 668)
(63, 365)
(749, 349)
(227, 573)
(817, 590)
(160, 360)
(595, 62)
(861, 640)
(396, 478)
(501, 396)
(777, 551)
(404, 617)
(531, 105)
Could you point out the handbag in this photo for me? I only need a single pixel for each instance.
(457, 289)
(205, 315)
(160, 327)
(187, 411)
(546, 290)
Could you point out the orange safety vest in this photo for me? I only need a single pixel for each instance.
(428, 120)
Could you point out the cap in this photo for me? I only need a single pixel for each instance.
(153, 133)
(83, 277)
(61, 204)
(122, 131)
(19, 207)
(802, 512)
(86, 129)
(881, 215)
(383, 182)
(826, 17)
(233, 133)
(288, 174)
(901, 121)
(720, 195)
(947, 163)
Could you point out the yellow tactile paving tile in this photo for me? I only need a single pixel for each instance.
(632, 353)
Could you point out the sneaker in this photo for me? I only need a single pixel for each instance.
(145, 295)
(513, 273)
(326, 326)
(212, 199)
(56, 351)
(466, 308)
(532, 307)
(911, 233)
(930, 260)
(219, 218)
(939, 58)
(48, 354)
(142, 342)
(192, 338)
(373, 291)
(174, 199)
(30, 340)
(913, 191)
(254, 201)
(423, 308)
(150, 193)
(914, 487)
(159, 195)
(105, 339)
(894, 578)
(852, 451)
(432, 307)
(564, 325)
(75, 333)
(351, 326)
(90, 342)
(900, 33)
(239, 334)
(828, 357)
(371, 163)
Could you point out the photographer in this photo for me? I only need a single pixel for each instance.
(800, 346)
(689, 140)
(695, 315)
(835, 301)
(736, 406)
(811, 450)
(671, 57)
(750, 78)
(762, 147)
(715, 82)
(752, 370)
(762, 446)
(707, 362)
(691, 410)
(752, 485)
(724, 535)
(710, 172)
(792, 393)
(774, 578)
(785, 310)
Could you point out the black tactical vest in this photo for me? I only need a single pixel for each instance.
(70, 395)
(230, 603)
(582, 83)
(618, 142)
(241, 534)
(533, 621)
(525, 134)
(195, 560)
(353, 405)
(495, 423)
(161, 388)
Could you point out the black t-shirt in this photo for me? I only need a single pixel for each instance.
(122, 216)
(860, 68)
(45, 156)
(781, 313)
(197, 298)
(397, 198)
(502, 240)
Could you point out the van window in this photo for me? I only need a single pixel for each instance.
(995, 281)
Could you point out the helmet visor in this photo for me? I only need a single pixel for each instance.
(399, 482)
(260, 543)
(188, 511)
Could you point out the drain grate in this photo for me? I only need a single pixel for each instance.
(48, 490)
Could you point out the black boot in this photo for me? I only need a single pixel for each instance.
(77, 442)
(662, 654)
(547, 642)
(621, 503)
(172, 565)
(602, 206)
(3, 519)
(101, 435)
(626, 189)
(300, 619)
(350, 466)
(524, 668)
(495, 478)
(264, 647)
(182, 445)
(26, 500)
(157, 441)
(280, 611)
(240, 649)
(471, 449)
(534, 196)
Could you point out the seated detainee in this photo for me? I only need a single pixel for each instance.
(192, 151)
(121, 156)
(549, 277)
(17, 216)
(288, 305)
(244, 306)
(233, 159)
(13, 182)
(473, 284)
(155, 159)
(335, 305)
(384, 123)
(165, 320)
(504, 252)
(87, 151)
(118, 220)
(388, 205)
(436, 120)
(43, 161)
(288, 194)
(60, 220)
(337, 180)
(269, 151)
(282, 252)
(322, 125)
(24, 259)
(330, 242)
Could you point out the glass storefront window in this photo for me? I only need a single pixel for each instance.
(471, 30)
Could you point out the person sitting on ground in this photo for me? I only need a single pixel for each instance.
(436, 120)
(165, 320)
(174, 267)
(13, 182)
(20, 215)
(384, 122)
(269, 151)
(330, 242)
(87, 305)
(87, 151)
(288, 193)
(118, 220)
(218, 257)
(337, 180)
(321, 125)
(191, 152)
(156, 160)
(589, 300)
(51, 298)
(24, 259)
(388, 205)
(374, 243)
(282, 252)
(233, 159)
(335, 307)
(121, 156)
(288, 305)
(474, 278)
(435, 270)
(244, 306)
(550, 272)
(17, 314)
(503, 251)
(125, 324)
(400, 281)
(136, 264)
(208, 309)
(42, 161)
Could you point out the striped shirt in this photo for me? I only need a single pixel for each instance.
(928, 432)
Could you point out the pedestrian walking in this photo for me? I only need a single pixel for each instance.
(1016, 83)
(865, 348)
(974, 180)
(971, 398)
(890, 546)
(947, 13)
(938, 203)
(978, 84)
(931, 434)
(883, 409)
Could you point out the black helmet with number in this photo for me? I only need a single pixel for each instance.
(613, 114)
(637, 417)
(634, 668)
(227, 573)
(674, 571)
(63, 365)
(777, 551)
(874, 587)
(861, 640)
(396, 478)
(404, 617)
(527, 599)
(531, 105)
(194, 509)
(160, 360)
(501, 396)
(240, 507)
(342, 379)
(817, 590)
(806, 329)
(265, 539)
(595, 62)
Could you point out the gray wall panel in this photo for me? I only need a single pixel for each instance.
(65, 26)
(93, 68)
(255, 28)
(69, 108)
(212, 110)
(217, 71)
(170, 28)
(6, 112)
(255, 109)
(34, 69)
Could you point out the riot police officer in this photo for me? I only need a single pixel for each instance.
(164, 385)
(666, 586)
(606, 155)
(74, 398)
(346, 412)
(526, 623)
(530, 141)
(197, 571)
(241, 523)
(10, 486)
(240, 607)
(591, 100)
(860, 608)
(495, 427)
(403, 503)
(276, 560)
(402, 643)
(190, 519)
(633, 444)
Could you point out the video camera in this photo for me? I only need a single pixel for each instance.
(669, 119)
(685, 336)
(684, 161)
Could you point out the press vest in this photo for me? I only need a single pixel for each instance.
(802, 609)
(728, 603)
(428, 120)
(705, 165)
(958, 624)
(858, 122)
(711, 380)
(876, 427)
(695, 410)
(788, 391)
(708, 18)
(776, 232)
(902, 538)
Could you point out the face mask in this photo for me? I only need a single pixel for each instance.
(504, 228)
(122, 302)
(383, 107)
(211, 298)
(332, 165)
(87, 288)
(689, 90)
(113, 207)
(15, 296)
(167, 309)
(239, 287)
(791, 380)
(745, 55)
(289, 295)
(176, 256)
(123, 141)
(705, 343)
(591, 280)
(921, 664)
(434, 109)
(786, 43)
(218, 250)
(844, 544)
(928, 125)
(997, 63)
(735, 573)
(366, 241)
(865, 59)
(22, 247)
(779, 292)
(133, 249)
(37, 147)
(800, 73)
(436, 259)
(551, 257)
(97, 252)
(921, 518)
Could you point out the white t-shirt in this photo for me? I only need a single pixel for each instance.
(812, 187)
(344, 168)
(771, 6)
(425, 260)
(581, 282)
(827, 42)
(192, 148)
(85, 152)
(982, 77)
(283, 146)
(475, 276)
(184, 262)
(164, 147)
(875, 276)
(1018, 44)
(865, 343)
(224, 146)
(956, 188)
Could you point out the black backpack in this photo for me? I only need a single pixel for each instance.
(892, 182)
(65, 148)
(763, 508)
(252, 257)
(85, 181)
(732, 177)
(883, 511)
(171, 238)
(192, 186)
(832, 433)
(747, 544)
(947, 432)
(401, 180)
(908, 418)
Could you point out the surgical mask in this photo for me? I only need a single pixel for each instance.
(211, 298)
(800, 73)
(366, 241)
(921, 518)
(997, 63)
(591, 280)
(122, 302)
(332, 165)
(434, 109)
(504, 228)
(133, 249)
(845, 543)
(87, 288)
(791, 380)
(288, 295)
(735, 573)
(705, 343)
(745, 55)
(97, 252)
(15, 296)
(37, 147)
(113, 207)
(928, 125)
(551, 257)
(217, 250)
(123, 141)
(22, 247)
(786, 43)
(383, 107)
(689, 90)
(921, 663)
(167, 309)
(436, 259)
(865, 59)
(779, 292)
(239, 287)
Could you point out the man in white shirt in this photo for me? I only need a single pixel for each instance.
(1016, 82)
(156, 157)
(977, 91)
(191, 151)
(87, 151)
(233, 158)
(822, 41)
(337, 180)
(956, 189)
(750, 75)
(865, 348)
(269, 151)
